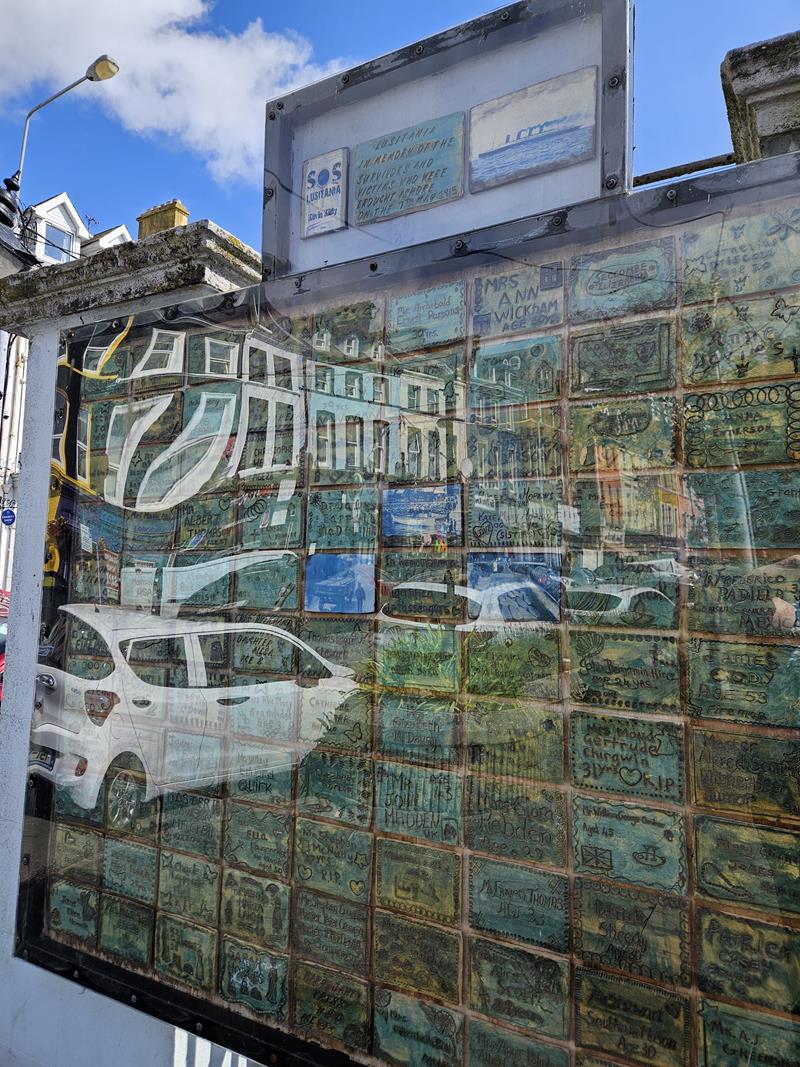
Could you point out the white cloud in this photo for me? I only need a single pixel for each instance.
(178, 75)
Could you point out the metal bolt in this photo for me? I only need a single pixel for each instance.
(612, 181)
(279, 105)
(115, 324)
(76, 973)
(272, 115)
(672, 194)
(558, 220)
(269, 192)
(613, 81)
(26, 860)
(460, 245)
(345, 79)
(25, 954)
(198, 1027)
(419, 50)
(298, 282)
(373, 267)
(30, 783)
(506, 15)
(134, 999)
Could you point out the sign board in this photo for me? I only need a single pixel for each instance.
(520, 112)
(8, 516)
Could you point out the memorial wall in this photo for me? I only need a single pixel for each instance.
(419, 669)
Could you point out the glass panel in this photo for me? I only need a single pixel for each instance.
(423, 683)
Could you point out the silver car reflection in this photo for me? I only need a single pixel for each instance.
(147, 708)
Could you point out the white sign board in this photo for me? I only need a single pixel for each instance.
(519, 113)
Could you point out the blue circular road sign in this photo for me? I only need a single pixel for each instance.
(8, 516)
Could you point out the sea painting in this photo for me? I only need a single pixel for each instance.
(542, 127)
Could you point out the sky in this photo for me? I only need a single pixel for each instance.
(185, 115)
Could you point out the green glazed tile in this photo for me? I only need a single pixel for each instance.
(255, 909)
(742, 254)
(186, 953)
(629, 358)
(515, 513)
(338, 518)
(415, 1033)
(630, 435)
(755, 509)
(417, 957)
(637, 757)
(516, 371)
(188, 887)
(336, 786)
(192, 822)
(632, 672)
(418, 729)
(518, 902)
(130, 869)
(257, 839)
(748, 960)
(126, 930)
(515, 740)
(621, 281)
(331, 931)
(525, 299)
(73, 911)
(738, 597)
(744, 683)
(644, 934)
(742, 427)
(493, 1046)
(333, 859)
(747, 774)
(518, 987)
(735, 1037)
(331, 1006)
(255, 978)
(741, 340)
(515, 662)
(516, 820)
(422, 882)
(643, 846)
(644, 1024)
(754, 866)
(418, 801)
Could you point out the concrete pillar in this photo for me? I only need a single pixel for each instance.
(761, 83)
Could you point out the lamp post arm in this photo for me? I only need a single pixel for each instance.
(33, 111)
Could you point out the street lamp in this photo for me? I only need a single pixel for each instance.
(103, 68)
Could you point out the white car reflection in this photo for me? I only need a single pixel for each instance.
(505, 600)
(610, 603)
(145, 704)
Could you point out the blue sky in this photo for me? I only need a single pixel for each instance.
(184, 117)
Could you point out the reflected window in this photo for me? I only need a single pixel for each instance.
(158, 661)
(380, 390)
(321, 341)
(381, 448)
(283, 371)
(351, 346)
(433, 401)
(257, 364)
(323, 380)
(284, 435)
(58, 243)
(354, 442)
(326, 440)
(433, 454)
(221, 357)
(414, 395)
(353, 385)
(164, 354)
(83, 429)
(414, 453)
(215, 650)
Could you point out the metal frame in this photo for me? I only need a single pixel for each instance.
(519, 21)
(667, 205)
